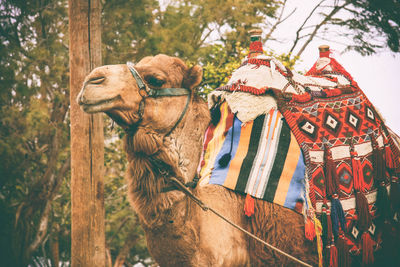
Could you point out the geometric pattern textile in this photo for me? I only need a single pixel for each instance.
(343, 123)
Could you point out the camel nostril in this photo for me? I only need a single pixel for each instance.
(96, 80)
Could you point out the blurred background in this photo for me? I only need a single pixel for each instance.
(34, 94)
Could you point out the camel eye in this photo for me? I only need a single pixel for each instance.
(153, 81)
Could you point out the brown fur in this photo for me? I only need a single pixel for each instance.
(178, 232)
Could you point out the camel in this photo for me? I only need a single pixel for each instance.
(161, 144)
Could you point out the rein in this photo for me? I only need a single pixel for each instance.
(145, 92)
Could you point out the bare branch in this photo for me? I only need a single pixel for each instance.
(279, 20)
(316, 29)
(302, 26)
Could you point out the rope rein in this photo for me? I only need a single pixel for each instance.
(204, 207)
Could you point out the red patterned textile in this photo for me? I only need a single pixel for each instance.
(343, 123)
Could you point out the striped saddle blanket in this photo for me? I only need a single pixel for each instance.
(266, 160)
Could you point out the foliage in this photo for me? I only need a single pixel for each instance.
(34, 101)
(377, 18)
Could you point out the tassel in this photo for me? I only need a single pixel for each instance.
(318, 233)
(364, 217)
(333, 256)
(367, 249)
(382, 202)
(344, 259)
(389, 156)
(324, 223)
(337, 215)
(378, 161)
(331, 177)
(249, 206)
(215, 114)
(395, 196)
(309, 229)
(358, 176)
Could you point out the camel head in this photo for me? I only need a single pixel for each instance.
(113, 89)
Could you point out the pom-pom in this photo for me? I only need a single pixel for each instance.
(249, 206)
(224, 160)
(215, 114)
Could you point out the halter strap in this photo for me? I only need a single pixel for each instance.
(146, 91)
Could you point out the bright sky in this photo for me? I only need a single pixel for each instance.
(378, 75)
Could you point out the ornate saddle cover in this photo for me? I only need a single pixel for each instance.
(313, 143)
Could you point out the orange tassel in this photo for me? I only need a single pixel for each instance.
(249, 206)
(309, 229)
(367, 249)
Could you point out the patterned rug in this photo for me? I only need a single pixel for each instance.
(266, 160)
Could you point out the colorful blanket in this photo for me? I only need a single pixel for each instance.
(266, 160)
(342, 124)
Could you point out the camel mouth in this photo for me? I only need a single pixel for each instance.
(95, 106)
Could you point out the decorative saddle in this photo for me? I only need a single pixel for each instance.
(312, 143)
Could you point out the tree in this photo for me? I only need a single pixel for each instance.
(366, 26)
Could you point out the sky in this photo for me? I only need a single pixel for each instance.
(378, 75)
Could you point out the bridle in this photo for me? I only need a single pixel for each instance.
(145, 92)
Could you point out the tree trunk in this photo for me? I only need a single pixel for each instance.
(87, 151)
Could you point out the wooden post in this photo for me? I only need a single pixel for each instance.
(87, 151)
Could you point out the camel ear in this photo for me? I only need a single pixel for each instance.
(193, 77)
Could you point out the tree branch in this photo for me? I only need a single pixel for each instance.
(302, 26)
(316, 29)
(279, 21)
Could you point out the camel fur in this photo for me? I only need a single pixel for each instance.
(178, 232)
